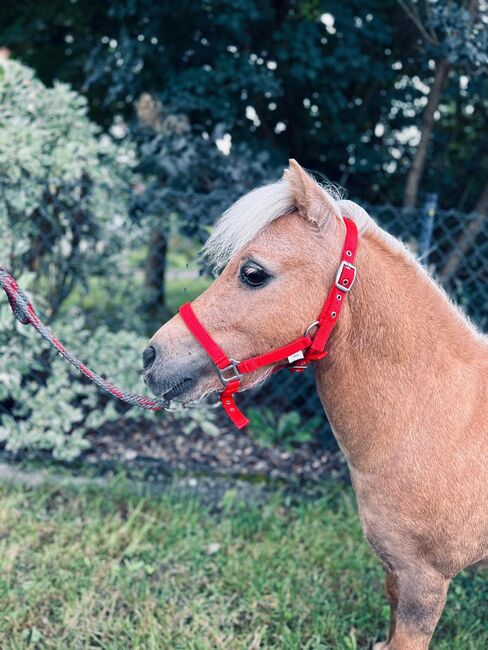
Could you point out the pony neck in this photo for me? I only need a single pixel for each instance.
(397, 339)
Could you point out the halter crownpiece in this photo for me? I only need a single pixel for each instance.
(295, 355)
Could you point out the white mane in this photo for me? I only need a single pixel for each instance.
(254, 211)
(245, 218)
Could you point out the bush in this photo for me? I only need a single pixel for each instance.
(64, 200)
(286, 430)
(64, 220)
(48, 405)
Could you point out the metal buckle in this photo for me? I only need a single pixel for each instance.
(235, 376)
(345, 265)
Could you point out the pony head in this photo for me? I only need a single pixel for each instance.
(278, 248)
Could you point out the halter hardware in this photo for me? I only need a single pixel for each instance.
(344, 281)
(316, 323)
(232, 367)
(294, 356)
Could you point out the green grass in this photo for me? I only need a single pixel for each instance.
(98, 568)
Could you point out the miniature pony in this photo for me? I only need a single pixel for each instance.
(405, 383)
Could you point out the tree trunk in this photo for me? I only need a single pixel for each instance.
(417, 169)
(467, 238)
(155, 308)
(154, 303)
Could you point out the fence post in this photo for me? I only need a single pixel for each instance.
(427, 228)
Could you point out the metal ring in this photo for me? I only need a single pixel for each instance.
(311, 326)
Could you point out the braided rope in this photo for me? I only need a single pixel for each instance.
(25, 314)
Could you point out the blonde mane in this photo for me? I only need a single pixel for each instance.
(245, 219)
(254, 211)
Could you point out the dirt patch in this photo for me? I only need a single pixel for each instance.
(231, 453)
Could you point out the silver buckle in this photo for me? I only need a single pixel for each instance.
(345, 265)
(230, 368)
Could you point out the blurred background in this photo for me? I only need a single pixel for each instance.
(126, 128)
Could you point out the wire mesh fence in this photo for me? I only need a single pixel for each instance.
(92, 287)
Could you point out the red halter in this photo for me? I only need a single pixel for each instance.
(298, 353)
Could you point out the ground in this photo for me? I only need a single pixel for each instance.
(231, 453)
(100, 567)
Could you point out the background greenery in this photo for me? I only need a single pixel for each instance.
(344, 87)
(127, 127)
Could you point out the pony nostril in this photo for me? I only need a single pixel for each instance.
(148, 357)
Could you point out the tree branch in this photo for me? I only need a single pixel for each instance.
(417, 169)
(415, 17)
(467, 239)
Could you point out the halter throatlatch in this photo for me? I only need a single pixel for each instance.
(295, 355)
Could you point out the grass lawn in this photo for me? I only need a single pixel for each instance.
(99, 568)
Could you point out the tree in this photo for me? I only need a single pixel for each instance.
(308, 79)
(466, 239)
(338, 85)
(185, 173)
(456, 36)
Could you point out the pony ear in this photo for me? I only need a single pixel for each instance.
(311, 199)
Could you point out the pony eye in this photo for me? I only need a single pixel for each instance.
(253, 275)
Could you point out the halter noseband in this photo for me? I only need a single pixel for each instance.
(299, 353)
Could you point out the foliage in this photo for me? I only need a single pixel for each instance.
(339, 85)
(455, 31)
(45, 404)
(453, 37)
(185, 173)
(198, 417)
(97, 567)
(63, 185)
(283, 429)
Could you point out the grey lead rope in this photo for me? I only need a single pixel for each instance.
(25, 314)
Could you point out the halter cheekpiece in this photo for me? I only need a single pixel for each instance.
(295, 355)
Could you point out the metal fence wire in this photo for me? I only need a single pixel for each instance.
(453, 245)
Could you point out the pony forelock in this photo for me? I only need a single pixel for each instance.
(245, 219)
(248, 216)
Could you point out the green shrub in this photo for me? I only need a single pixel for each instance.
(65, 226)
(48, 405)
(286, 430)
(64, 186)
